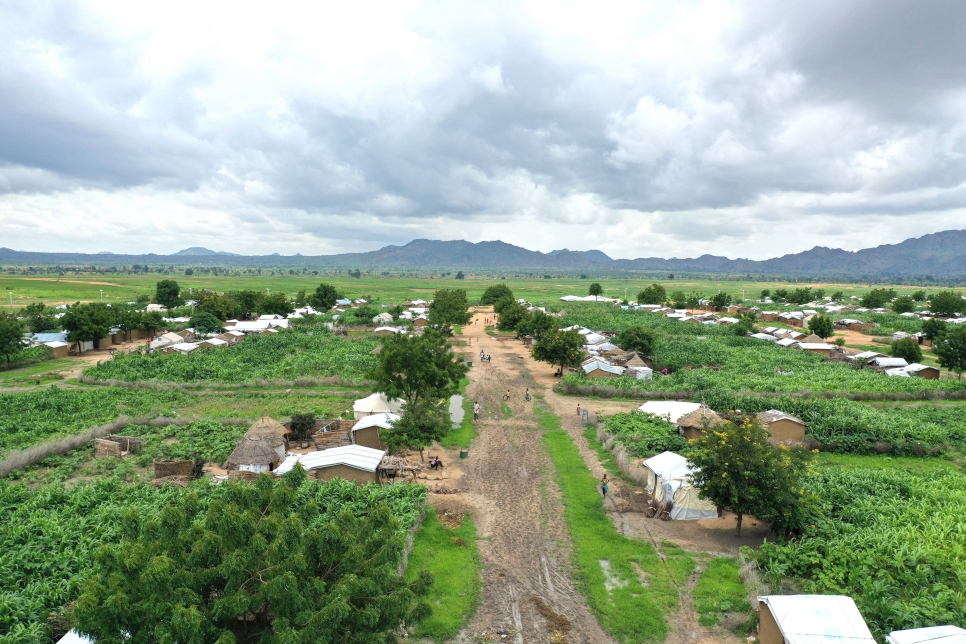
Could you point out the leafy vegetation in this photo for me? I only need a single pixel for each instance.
(719, 592)
(286, 356)
(891, 539)
(644, 435)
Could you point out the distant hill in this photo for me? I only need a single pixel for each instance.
(939, 256)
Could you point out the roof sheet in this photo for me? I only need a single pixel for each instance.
(377, 403)
(774, 415)
(933, 634)
(355, 456)
(670, 409)
(818, 619)
(384, 421)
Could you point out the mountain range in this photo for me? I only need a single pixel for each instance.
(939, 255)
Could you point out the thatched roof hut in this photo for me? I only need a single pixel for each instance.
(266, 427)
(634, 360)
(692, 424)
(255, 455)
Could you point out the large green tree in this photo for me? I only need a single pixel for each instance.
(946, 303)
(951, 349)
(908, 349)
(653, 294)
(417, 368)
(11, 337)
(222, 306)
(737, 467)
(449, 308)
(878, 298)
(261, 563)
(595, 289)
(87, 322)
(275, 304)
(561, 348)
(324, 297)
(903, 304)
(934, 329)
(204, 323)
(167, 293)
(537, 324)
(720, 300)
(511, 316)
(420, 425)
(40, 317)
(821, 325)
(495, 293)
(638, 339)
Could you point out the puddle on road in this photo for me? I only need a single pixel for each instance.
(456, 410)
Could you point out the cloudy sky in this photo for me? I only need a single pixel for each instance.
(746, 129)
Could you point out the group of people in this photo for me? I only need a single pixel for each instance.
(484, 357)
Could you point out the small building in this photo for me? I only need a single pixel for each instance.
(639, 373)
(58, 349)
(769, 316)
(420, 321)
(811, 619)
(693, 424)
(388, 330)
(669, 481)
(215, 342)
(355, 463)
(864, 356)
(931, 634)
(597, 369)
(922, 371)
(783, 428)
(888, 362)
(376, 403)
(382, 319)
(764, 336)
(258, 454)
(816, 347)
(366, 431)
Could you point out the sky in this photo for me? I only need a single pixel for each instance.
(642, 129)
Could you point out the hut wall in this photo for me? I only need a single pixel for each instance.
(928, 374)
(173, 468)
(768, 631)
(782, 431)
(116, 446)
(344, 472)
(691, 433)
(599, 374)
(368, 437)
(60, 352)
(104, 447)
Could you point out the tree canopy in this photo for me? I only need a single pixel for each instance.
(40, 317)
(261, 563)
(561, 348)
(168, 294)
(908, 349)
(11, 337)
(204, 323)
(903, 304)
(638, 339)
(946, 303)
(324, 297)
(511, 315)
(420, 426)
(951, 349)
(878, 298)
(821, 325)
(720, 300)
(537, 324)
(449, 307)
(495, 293)
(934, 329)
(653, 294)
(87, 322)
(418, 367)
(595, 289)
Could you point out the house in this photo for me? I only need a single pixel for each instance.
(812, 338)
(671, 410)
(693, 424)
(271, 316)
(356, 463)
(811, 619)
(73, 637)
(597, 369)
(888, 362)
(260, 454)
(420, 321)
(816, 347)
(932, 634)
(388, 330)
(769, 316)
(249, 327)
(213, 342)
(376, 403)
(58, 349)
(366, 431)
(184, 348)
(154, 308)
(668, 480)
(382, 319)
(783, 428)
(640, 373)
(922, 371)
(786, 342)
(864, 356)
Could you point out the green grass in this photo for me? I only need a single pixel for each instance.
(546, 419)
(505, 410)
(605, 456)
(45, 371)
(451, 556)
(719, 592)
(915, 464)
(465, 434)
(628, 610)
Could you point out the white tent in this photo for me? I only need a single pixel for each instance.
(385, 421)
(931, 634)
(668, 479)
(376, 404)
(811, 619)
(672, 410)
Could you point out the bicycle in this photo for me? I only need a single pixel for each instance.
(529, 398)
(506, 396)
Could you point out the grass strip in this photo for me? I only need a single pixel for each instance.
(465, 434)
(451, 556)
(505, 410)
(608, 566)
(719, 594)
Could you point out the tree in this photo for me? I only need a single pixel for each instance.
(419, 367)
(257, 563)
(301, 299)
(460, 275)
(11, 337)
(934, 329)
(818, 293)
(302, 426)
(800, 295)
(40, 317)
(653, 294)
(765, 293)
(720, 300)
(537, 324)
(223, 307)
(878, 298)
(449, 307)
(738, 468)
(678, 299)
(503, 303)
(189, 271)
(495, 293)
(946, 303)
(821, 325)
(152, 321)
(908, 349)
(838, 296)
(275, 304)
(168, 294)
(511, 316)
(840, 341)
(560, 348)
(780, 294)
(596, 290)
(205, 323)
(637, 339)
(324, 297)
(420, 426)
(919, 296)
(951, 349)
(903, 304)
(87, 322)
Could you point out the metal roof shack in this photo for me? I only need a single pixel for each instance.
(357, 457)
(811, 619)
(932, 634)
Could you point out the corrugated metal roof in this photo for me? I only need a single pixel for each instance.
(670, 409)
(384, 421)
(818, 619)
(355, 456)
(773, 415)
(934, 634)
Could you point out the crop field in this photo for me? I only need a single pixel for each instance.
(893, 540)
(51, 533)
(284, 356)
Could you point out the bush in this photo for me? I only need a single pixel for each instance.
(495, 293)
(908, 349)
(644, 435)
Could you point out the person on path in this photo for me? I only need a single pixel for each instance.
(604, 485)
(476, 411)
(527, 396)
(578, 409)
(507, 396)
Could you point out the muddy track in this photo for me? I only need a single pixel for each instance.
(528, 592)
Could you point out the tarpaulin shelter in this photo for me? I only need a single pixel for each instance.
(668, 480)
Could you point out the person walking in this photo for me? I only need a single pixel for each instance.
(604, 485)
(578, 409)
(527, 395)
(507, 396)
(476, 410)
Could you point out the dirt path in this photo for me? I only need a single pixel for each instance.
(528, 592)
